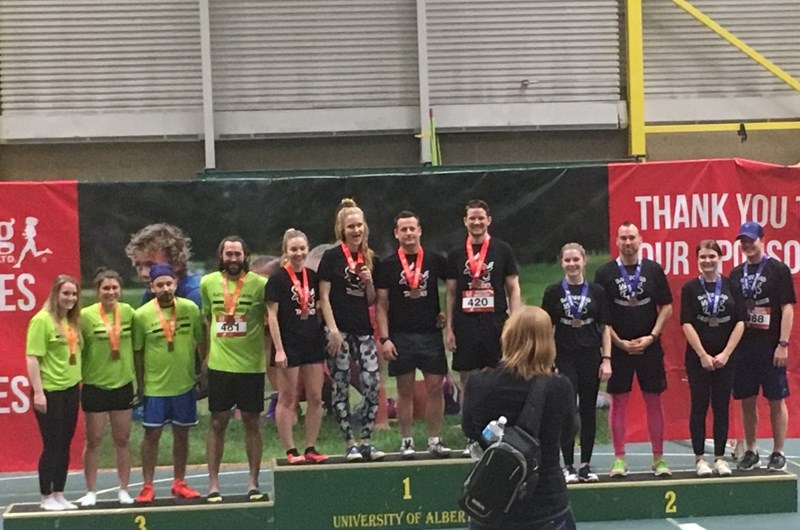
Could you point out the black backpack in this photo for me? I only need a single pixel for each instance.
(507, 471)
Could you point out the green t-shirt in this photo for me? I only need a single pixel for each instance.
(167, 373)
(98, 367)
(46, 341)
(237, 348)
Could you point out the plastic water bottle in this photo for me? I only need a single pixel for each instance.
(493, 432)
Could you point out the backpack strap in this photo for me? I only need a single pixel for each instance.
(531, 415)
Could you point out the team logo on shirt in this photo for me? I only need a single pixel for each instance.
(706, 307)
(486, 277)
(312, 304)
(576, 299)
(624, 291)
(30, 249)
(746, 283)
(354, 286)
(423, 282)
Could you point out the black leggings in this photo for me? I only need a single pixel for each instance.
(582, 368)
(705, 386)
(57, 427)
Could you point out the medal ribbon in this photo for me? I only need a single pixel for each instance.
(231, 301)
(713, 299)
(411, 278)
(476, 265)
(72, 341)
(303, 294)
(575, 311)
(115, 331)
(349, 257)
(169, 328)
(749, 291)
(631, 283)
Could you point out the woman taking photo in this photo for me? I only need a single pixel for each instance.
(712, 318)
(346, 291)
(108, 373)
(297, 339)
(578, 310)
(528, 351)
(53, 357)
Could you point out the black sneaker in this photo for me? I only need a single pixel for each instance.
(749, 461)
(777, 462)
(585, 474)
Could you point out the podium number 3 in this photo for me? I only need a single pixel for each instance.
(141, 521)
(407, 488)
(671, 498)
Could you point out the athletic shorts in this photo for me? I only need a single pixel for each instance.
(418, 350)
(754, 369)
(230, 389)
(648, 367)
(477, 341)
(96, 399)
(178, 410)
(304, 351)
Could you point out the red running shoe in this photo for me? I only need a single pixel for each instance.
(295, 459)
(314, 457)
(183, 491)
(147, 494)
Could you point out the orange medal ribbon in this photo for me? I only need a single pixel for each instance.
(303, 293)
(72, 341)
(411, 278)
(114, 332)
(476, 265)
(169, 328)
(231, 301)
(352, 265)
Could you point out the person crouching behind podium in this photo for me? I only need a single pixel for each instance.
(528, 350)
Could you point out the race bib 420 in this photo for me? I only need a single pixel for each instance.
(477, 301)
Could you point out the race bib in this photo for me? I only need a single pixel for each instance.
(477, 301)
(758, 318)
(227, 328)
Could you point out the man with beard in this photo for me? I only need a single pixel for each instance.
(410, 333)
(482, 289)
(234, 309)
(640, 303)
(165, 333)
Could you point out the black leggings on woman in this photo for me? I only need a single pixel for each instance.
(705, 386)
(57, 427)
(582, 368)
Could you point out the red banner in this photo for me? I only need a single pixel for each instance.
(677, 204)
(38, 241)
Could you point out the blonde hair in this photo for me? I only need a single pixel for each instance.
(347, 207)
(290, 233)
(573, 246)
(528, 344)
(51, 304)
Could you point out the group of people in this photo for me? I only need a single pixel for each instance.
(601, 331)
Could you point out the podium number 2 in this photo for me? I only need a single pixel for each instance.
(671, 498)
(407, 488)
(141, 521)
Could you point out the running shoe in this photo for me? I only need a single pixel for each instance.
(702, 469)
(314, 457)
(294, 458)
(570, 475)
(721, 468)
(90, 499)
(256, 495)
(619, 469)
(467, 452)
(777, 462)
(147, 494)
(214, 497)
(438, 450)
(51, 505)
(661, 469)
(353, 454)
(407, 448)
(124, 497)
(749, 461)
(182, 490)
(585, 474)
(370, 452)
(60, 499)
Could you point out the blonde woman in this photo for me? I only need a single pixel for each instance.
(53, 357)
(528, 351)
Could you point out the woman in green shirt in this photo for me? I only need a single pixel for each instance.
(107, 370)
(53, 356)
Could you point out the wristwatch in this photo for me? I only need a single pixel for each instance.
(383, 340)
(783, 343)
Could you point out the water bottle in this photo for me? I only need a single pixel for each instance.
(493, 432)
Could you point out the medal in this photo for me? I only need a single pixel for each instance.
(354, 265)
(414, 293)
(231, 301)
(632, 284)
(476, 264)
(114, 331)
(750, 304)
(412, 278)
(72, 341)
(749, 289)
(576, 323)
(633, 301)
(170, 346)
(713, 300)
(575, 311)
(230, 321)
(115, 355)
(713, 322)
(168, 327)
(304, 314)
(301, 289)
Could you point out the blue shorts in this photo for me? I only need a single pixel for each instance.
(178, 410)
(754, 369)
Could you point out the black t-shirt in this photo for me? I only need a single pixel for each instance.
(348, 296)
(774, 288)
(594, 316)
(494, 393)
(406, 314)
(696, 310)
(634, 321)
(500, 264)
(294, 330)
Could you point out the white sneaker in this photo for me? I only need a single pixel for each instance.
(50, 504)
(407, 448)
(721, 468)
(59, 497)
(703, 469)
(90, 499)
(437, 449)
(124, 497)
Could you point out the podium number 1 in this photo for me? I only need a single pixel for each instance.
(407, 488)
(671, 498)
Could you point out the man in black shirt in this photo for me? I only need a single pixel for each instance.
(768, 292)
(640, 303)
(408, 320)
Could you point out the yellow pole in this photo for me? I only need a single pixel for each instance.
(637, 145)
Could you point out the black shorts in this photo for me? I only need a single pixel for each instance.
(418, 350)
(229, 389)
(96, 399)
(754, 370)
(477, 341)
(304, 351)
(648, 367)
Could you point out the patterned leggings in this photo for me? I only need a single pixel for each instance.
(359, 348)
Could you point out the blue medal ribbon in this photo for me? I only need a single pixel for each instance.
(631, 283)
(713, 299)
(575, 310)
(749, 290)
